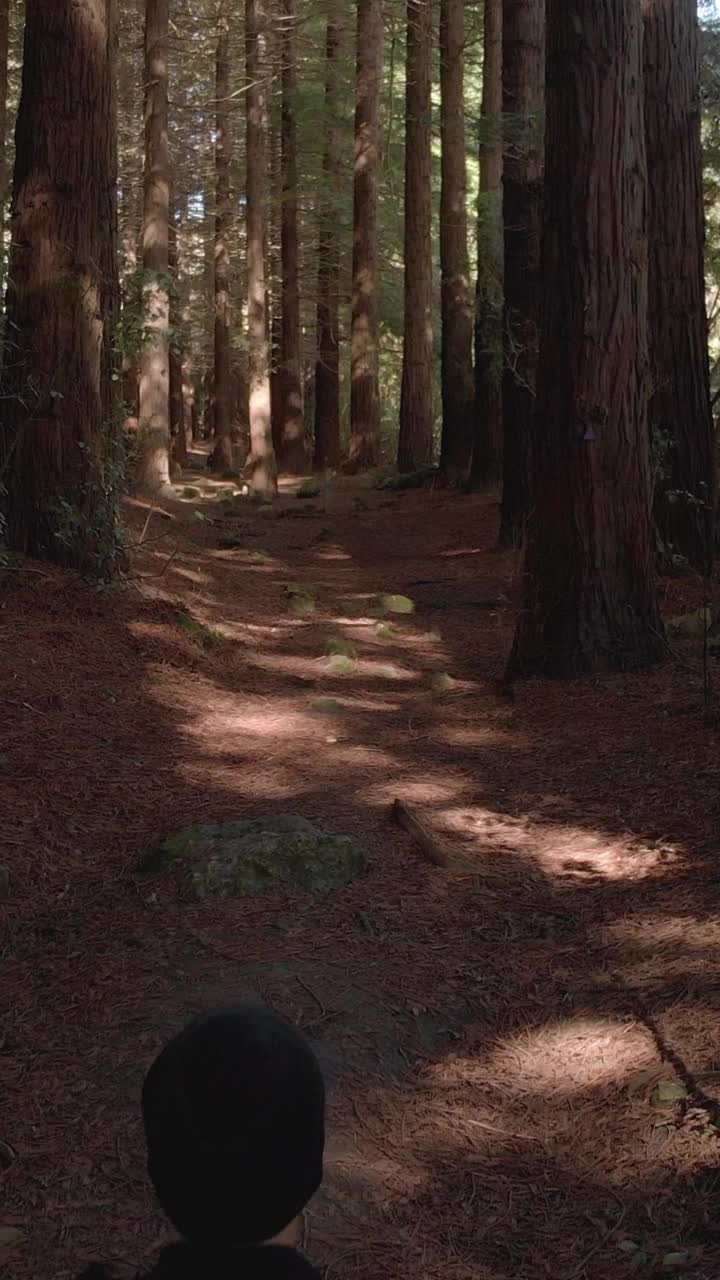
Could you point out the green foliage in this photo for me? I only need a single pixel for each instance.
(397, 604)
(301, 600)
(198, 631)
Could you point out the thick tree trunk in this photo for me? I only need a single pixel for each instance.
(56, 411)
(154, 435)
(364, 391)
(415, 443)
(222, 451)
(327, 368)
(523, 94)
(261, 466)
(293, 455)
(487, 441)
(681, 423)
(590, 602)
(456, 302)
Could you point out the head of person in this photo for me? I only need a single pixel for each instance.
(234, 1116)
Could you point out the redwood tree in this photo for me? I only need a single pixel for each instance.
(523, 94)
(154, 400)
(590, 600)
(327, 368)
(456, 301)
(415, 444)
(680, 414)
(222, 451)
(364, 392)
(487, 440)
(292, 426)
(62, 293)
(4, 36)
(261, 465)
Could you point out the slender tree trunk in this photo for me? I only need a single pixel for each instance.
(62, 294)
(523, 94)
(273, 248)
(487, 443)
(590, 602)
(327, 369)
(681, 423)
(178, 437)
(222, 451)
(261, 466)
(415, 444)
(456, 301)
(364, 390)
(154, 436)
(4, 36)
(292, 448)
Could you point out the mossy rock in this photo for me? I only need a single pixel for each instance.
(247, 857)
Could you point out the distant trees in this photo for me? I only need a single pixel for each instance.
(223, 451)
(680, 413)
(589, 602)
(415, 441)
(456, 300)
(523, 79)
(293, 455)
(153, 469)
(364, 392)
(62, 294)
(261, 465)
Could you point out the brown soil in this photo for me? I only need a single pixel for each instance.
(494, 1033)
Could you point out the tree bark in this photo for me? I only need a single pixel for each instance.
(590, 602)
(456, 301)
(293, 454)
(4, 36)
(261, 465)
(364, 390)
(327, 368)
(222, 450)
(56, 412)
(154, 403)
(415, 442)
(681, 424)
(523, 94)
(487, 438)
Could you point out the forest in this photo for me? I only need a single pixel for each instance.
(360, 615)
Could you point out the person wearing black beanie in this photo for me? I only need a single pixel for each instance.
(234, 1116)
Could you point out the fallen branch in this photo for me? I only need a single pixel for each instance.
(433, 851)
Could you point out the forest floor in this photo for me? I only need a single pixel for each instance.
(523, 1048)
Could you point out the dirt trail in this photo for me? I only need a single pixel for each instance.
(494, 1033)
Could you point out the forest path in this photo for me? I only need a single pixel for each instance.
(500, 1036)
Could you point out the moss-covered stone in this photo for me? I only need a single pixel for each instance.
(234, 859)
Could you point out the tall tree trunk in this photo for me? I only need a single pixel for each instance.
(222, 451)
(681, 423)
(590, 602)
(327, 368)
(364, 391)
(62, 294)
(4, 36)
(154, 435)
(415, 444)
(487, 442)
(261, 465)
(178, 438)
(293, 455)
(523, 94)
(456, 301)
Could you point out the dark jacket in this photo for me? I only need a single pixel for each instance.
(190, 1262)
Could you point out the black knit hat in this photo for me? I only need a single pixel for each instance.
(234, 1114)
